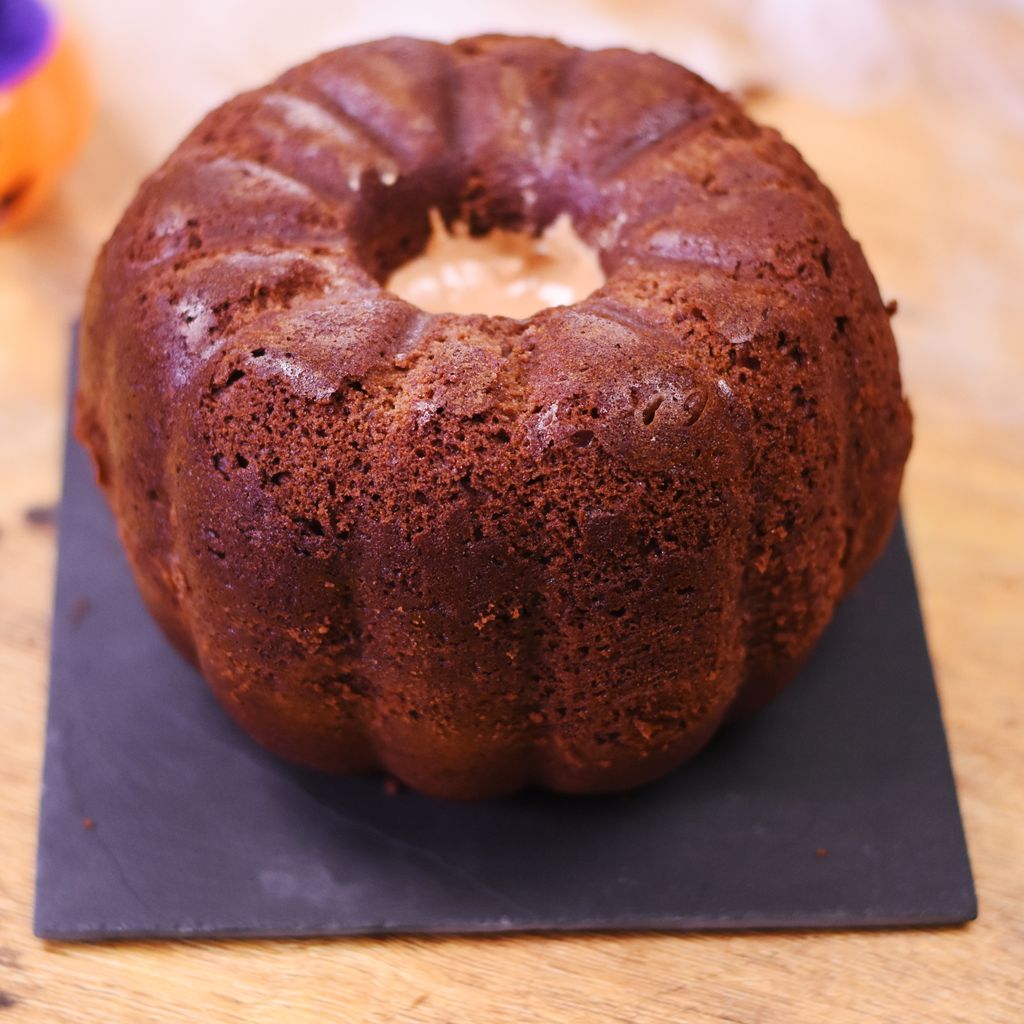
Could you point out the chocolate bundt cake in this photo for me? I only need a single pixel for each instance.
(475, 552)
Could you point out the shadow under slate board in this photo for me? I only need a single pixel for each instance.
(834, 807)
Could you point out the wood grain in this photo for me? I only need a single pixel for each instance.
(932, 181)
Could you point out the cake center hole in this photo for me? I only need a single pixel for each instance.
(504, 273)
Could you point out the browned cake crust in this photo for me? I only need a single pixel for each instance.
(476, 552)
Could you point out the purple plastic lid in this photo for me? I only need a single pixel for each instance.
(26, 33)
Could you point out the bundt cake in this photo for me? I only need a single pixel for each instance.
(481, 553)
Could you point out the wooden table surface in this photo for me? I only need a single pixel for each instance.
(918, 126)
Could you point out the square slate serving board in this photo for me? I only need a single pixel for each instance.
(834, 807)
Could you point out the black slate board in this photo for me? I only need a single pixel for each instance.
(834, 807)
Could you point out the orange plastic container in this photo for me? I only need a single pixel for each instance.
(46, 107)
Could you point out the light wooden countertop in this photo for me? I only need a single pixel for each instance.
(930, 171)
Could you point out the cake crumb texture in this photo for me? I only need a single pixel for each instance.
(472, 552)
